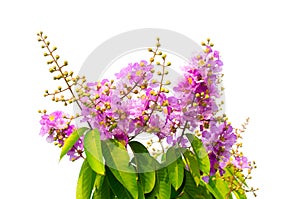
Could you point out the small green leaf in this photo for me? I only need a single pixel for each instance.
(71, 140)
(192, 163)
(175, 167)
(117, 158)
(85, 182)
(201, 154)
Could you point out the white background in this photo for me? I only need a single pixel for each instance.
(258, 41)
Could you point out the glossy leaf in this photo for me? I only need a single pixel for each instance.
(229, 171)
(118, 189)
(240, 194)
(102, 189)
(141, 191)
(164, 186)
(175, 167)
(71, 140)
(192, 163)
(93, 151)
(85, 181)
(219, 188)
(179, 192)
(145, 166)
(117, 159)
(201, 154)
(194, 191)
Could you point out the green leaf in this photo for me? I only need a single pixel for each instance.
(117, 159)
(71, 140)
(192, 163)
(218, 188)
(229, 171)
(118, 189)
(175, 167)
(141, 191)
(145, 166)
(194, 191)
(85, 182)
(102, 189)
(164, 186)
(174, 193)
(93, 151)
(185, 196)
(201, 154)
(240, 194)
(138, 147)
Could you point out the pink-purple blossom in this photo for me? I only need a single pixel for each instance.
(57, 127)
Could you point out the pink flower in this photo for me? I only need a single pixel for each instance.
(241, 162)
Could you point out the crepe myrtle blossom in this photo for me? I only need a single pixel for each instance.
(241, 162)
(57, 127)
(134, 102)
(218, 141)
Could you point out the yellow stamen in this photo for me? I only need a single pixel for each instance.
(51, 117)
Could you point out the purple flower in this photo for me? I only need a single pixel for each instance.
(241, 162)
(57, 126)
(218, 141)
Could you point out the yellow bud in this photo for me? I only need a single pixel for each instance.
(169, 64)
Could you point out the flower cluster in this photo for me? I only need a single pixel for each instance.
(136, 102)
(57, 127)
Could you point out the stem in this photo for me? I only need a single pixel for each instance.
(59, 69)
